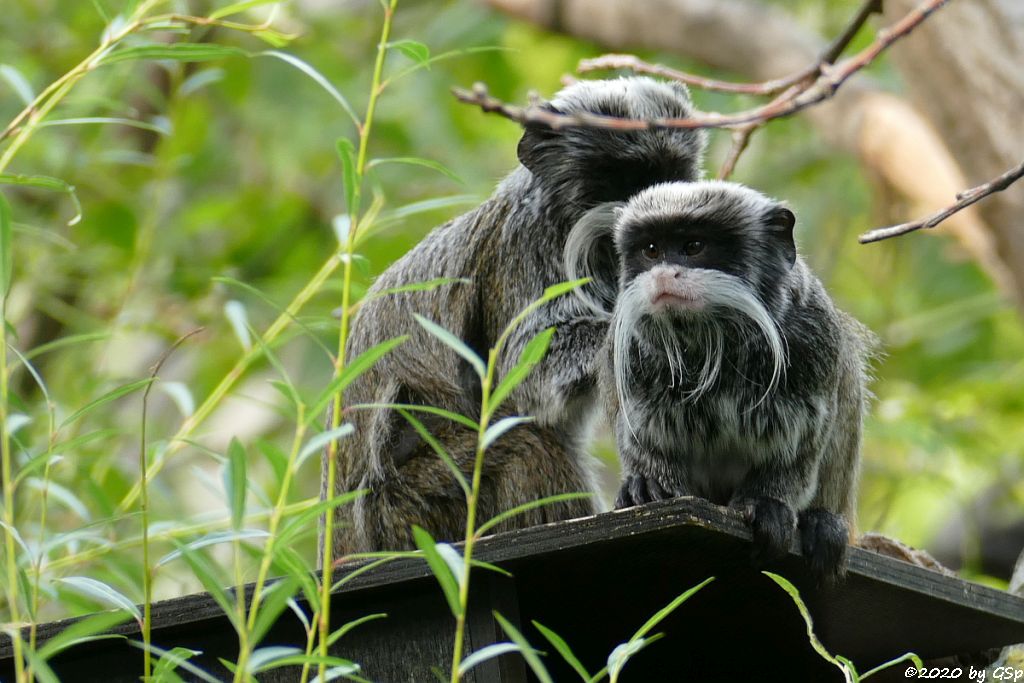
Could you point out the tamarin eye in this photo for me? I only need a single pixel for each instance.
(652, 251)
(693, 248)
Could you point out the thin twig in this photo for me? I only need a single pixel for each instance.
(829, 80)
(740, 140)
(965, 199)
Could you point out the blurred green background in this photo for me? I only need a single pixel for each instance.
(243, 182)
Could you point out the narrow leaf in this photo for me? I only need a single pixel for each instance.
(529, 357)
(238, 7)
(179, 52)
(212, 538)
(414, 50)
(454, 343)
(430, 410)
(101, 593)
(349, 177)
(563, 649)
(503, 425)
(235, 482)
(794, 594)
(669, 608)
(208, 576)
(624, 652)
(80, 630)
(106, 398)
(264, 657)
(485, 653)
(526, 507)
(346, 628)
(6, 246)
(529, 654)
(353, 369)
(178, 660)
(239, 319)
(417, 161)
(439, 449)
(19, 84)
(454, 560)
(442, 572)
(317, 77)
(425, 286)
(317, 443)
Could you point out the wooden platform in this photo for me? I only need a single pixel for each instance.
(595, 581)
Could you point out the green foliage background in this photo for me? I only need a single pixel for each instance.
(244, 182)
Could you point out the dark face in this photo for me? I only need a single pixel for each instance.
(696, 244)
(669, 254)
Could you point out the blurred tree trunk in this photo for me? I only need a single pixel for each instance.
(965, 71)
(893, 140)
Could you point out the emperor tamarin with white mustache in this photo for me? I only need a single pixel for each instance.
(510, 249)
(729, 373)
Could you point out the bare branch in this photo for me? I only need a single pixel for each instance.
(740, 140)
(965, 199)
(796, 98)
(770, 87)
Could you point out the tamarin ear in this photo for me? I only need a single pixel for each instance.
(536, 142)
(780, 222)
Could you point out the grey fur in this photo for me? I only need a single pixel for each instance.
(510, 247)
(749, 390)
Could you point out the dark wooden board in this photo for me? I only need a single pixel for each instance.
(595, 581)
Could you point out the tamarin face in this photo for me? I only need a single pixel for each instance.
(689, 249)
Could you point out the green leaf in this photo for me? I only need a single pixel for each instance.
(103, 120)
(238, 7)
(178, 660)
(454, 343)
(239, 319)
(101, 593)
(496, 430)
(417, 161)
(910, 656)
(485, 653)
(317, 77)
(353, 369)
(346, 628)
(235, 482)
(169, 662)
(265, 657)
(6, 247)
(60, 494)
(669, 608)
(529, 654)
(106, 398)
(563, 649)
(72, 340)
(531, 354)
(318, 442)
(40, 669)
(454, 560)
(431, 410)
(794, 594)
(439, 449)
(414, 50)
(19, 84)
(305, 520)
(43, 182)
(442, 572)
(288, 562)
(349, 176)
(212, 538)
(425, 286)
(211, 581)
(557, 290)
(526, 507)
(81, 631)
(625, 651)
(179, 52)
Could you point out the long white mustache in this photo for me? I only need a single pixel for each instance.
(720, 294)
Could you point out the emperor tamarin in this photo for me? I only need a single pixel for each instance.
(729, 373)
(509, 249)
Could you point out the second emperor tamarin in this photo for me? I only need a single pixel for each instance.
(508, 250)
